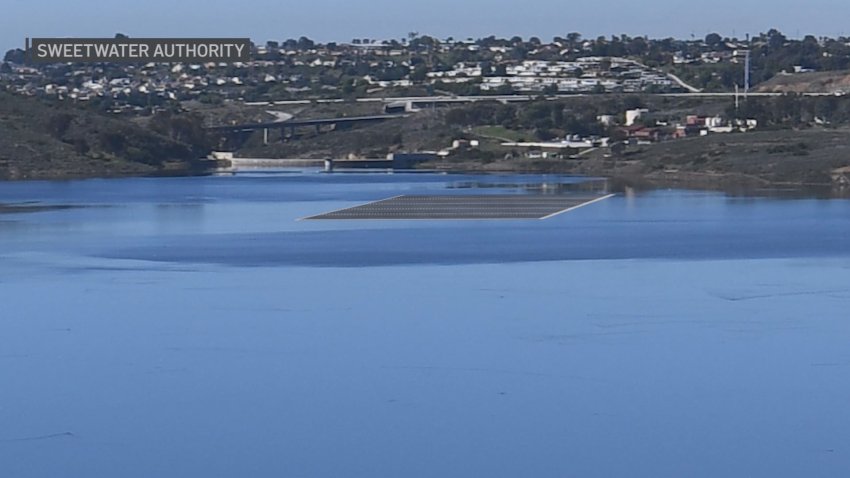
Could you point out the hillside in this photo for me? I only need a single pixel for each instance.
(798, 156)
(790, 156)
(41, 139)
(817, 82)
(436, 128)
(50, 139)
(795, 158)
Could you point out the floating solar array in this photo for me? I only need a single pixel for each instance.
(514, 206)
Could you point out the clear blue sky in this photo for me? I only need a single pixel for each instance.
(338, 20)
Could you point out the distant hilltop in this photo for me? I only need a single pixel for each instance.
(421, 65)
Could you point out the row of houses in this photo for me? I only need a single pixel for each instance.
(300, 72)
(693, 125)
(582, 75)
(627, 130)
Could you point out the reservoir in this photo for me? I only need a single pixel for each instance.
(202, 327)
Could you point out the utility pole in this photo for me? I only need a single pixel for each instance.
(747, 74)
(736, 97)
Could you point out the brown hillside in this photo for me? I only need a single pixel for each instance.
(835, 82)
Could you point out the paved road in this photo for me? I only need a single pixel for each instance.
(503, 98)
(681, 82)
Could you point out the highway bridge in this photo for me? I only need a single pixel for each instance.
(422, 101)
(294, 123)
(235, 134)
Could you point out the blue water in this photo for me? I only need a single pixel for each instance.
(195, 327)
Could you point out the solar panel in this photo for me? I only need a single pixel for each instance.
(490, 206)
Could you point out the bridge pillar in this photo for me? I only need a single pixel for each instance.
(329, 165)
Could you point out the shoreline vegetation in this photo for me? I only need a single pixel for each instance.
(622, 174)
(618, 178)
(814, 161)
(43, 139)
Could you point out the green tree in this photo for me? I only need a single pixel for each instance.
(16, 56)
(419, 73)
(713, 40)
(305, 43)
